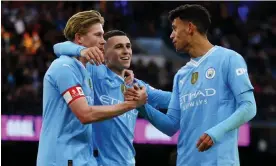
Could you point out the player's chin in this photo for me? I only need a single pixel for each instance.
(126, 66)
(180, 50)
(177, 49)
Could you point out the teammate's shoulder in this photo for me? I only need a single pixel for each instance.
(101, 71)
(60, 64)
(228, 52)
(100, 67)
(179, 74)
(184, 69)
(63, 60)
(230, 55)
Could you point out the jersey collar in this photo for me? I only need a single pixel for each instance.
(196, 64)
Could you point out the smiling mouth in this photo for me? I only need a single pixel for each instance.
(125, 58)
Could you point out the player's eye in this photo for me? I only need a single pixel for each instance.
(99, 34)
(174, 28)
(119, 46)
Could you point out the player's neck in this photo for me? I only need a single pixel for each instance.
(119, 72)
(199, 47)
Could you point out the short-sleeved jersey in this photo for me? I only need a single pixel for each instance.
(63, 137)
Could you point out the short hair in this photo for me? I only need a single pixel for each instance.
(81, 22)
(196, 14)
(113, 33)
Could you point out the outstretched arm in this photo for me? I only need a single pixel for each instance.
(166, 123)
(158, 98)
(93, 54)
(68, 48)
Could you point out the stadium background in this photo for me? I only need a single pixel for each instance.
(29, 30)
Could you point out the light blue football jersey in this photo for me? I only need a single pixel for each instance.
(63, 137)
(114, 137)
(203, 96)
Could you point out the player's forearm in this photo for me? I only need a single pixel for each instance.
(165, 123)
(245, 112)
(100, 113)
(163, 100)
(67, 48)
(159, 98)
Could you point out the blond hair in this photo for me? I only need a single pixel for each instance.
(81, 22)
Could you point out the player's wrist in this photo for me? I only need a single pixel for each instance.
(81, 51)
(141, 108)
(129, 105)
(211, 134)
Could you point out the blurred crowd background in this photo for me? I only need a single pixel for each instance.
(30, 29)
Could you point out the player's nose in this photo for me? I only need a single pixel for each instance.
(172, 36)
(102, 42)
(125, 52)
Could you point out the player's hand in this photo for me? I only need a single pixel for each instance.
(132, 94)
(204, 143)
(143, 96)
(93, 54)
(137, 94)
(129, 77)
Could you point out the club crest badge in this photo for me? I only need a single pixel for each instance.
(194, 77)
(123, 88)
(210, 73)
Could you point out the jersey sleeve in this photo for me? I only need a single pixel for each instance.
(68, 83)
(238, 79)
(157, 98)
(174, 105)
(67, 48)
(246, 111)
(167, 123)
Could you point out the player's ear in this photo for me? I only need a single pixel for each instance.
(191, 28)
(78, 38)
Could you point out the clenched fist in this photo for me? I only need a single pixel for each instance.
(204, 143)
